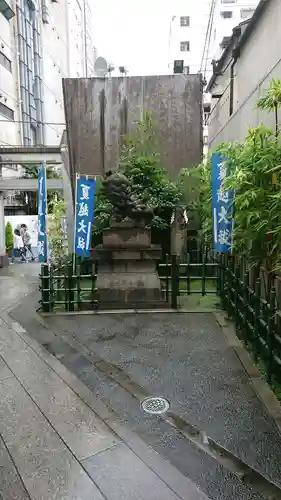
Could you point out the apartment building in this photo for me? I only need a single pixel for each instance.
(41, 42)
(9, 78)
(188, 26)
(187, 37)
(225, 16)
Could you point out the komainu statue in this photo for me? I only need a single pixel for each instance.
(117, 188)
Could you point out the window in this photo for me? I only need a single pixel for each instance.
(186, 70)
(5, 61)
(45, 13)
(185, 21)
(7, 112)
(205, 139)
(226, 14)
(6, 10)
(185, 46)
(30, 72)
(246, 13)
(33, 137)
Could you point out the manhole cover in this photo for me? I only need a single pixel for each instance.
(155, 406)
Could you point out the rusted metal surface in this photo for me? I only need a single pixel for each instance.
(99, 111)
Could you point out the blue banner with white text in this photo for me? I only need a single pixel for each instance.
(222, 206)
(84, 215)
(42, 214)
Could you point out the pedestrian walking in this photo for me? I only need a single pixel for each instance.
(18, 247)
(26, 236)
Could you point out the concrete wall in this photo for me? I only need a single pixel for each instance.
(95, 136)
(259, 62)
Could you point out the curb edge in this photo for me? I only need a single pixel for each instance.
(259, 385)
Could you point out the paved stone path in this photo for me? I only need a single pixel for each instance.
(53, 445)
(122, 358)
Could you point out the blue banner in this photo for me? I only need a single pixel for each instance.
(84, 215)
(222, 206)
(42, 214)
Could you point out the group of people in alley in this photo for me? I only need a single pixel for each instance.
(22, 244)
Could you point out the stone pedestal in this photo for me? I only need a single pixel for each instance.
(4, 260)
(127, 275)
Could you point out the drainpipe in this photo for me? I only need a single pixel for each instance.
(231, 89)
(235, 56)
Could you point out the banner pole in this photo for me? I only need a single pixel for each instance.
(46, 211)
(75, 217)
(42, 213)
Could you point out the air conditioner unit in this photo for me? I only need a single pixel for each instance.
(178, 66)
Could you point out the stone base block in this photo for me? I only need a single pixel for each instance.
(122, 288)
(127, 237)
(4, 260)
(116, 305)
(127, 275)
(112, 254)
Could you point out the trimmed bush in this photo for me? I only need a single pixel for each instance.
(9, 237)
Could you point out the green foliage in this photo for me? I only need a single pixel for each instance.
(9, 237)
(140, 162)
(253, 165)
(29, 198)
(257, 202)
(56, 237)
(271, 100)
(103, 210)
(196, 186)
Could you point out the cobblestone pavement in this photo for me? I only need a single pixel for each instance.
(122, 358)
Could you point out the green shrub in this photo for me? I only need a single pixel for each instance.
(9, 237)
(141, 163)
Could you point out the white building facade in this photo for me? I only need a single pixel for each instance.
(199, 31)
(188, 26)
(41, 42)
(226, 15)
(10, 129)
(187, 40)
(243, 73)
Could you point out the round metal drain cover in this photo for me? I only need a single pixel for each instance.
(155, 406)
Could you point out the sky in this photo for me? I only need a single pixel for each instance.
(134, 34)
